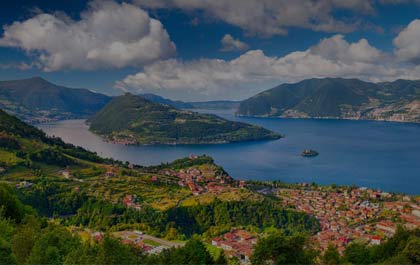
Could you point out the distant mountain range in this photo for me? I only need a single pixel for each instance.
(174, 103)
(131, 119)
(338, 98)
(37, 100)
(214, 104)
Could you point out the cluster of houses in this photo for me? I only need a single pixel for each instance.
(348, 215)
(199, 181)
(130, 140)
(130, 201)
(236, 243)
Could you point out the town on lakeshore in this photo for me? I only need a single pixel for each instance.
(346, 214)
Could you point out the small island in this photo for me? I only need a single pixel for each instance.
(133, 120)
(309, 153)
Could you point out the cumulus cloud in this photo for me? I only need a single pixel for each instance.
(254, 71)
(407, 43)
(108, 35)
(229, 43)
(274, 17)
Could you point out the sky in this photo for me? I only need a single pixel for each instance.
(197, 50)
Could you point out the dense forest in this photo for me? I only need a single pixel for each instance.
(183, 222)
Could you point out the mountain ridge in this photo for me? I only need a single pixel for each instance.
(338, 98)
(36, 100)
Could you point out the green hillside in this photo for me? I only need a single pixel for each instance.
(135, 120)
(338, 98)
(35, 99)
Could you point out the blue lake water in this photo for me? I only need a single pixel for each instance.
(374, 154)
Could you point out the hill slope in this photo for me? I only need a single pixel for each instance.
(35, 99)
(134, 120)
(338, 98)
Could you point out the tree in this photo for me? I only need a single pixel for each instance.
(194, 253)
(6, 255)
(112, 252)
(331, 256)
(281, 249)
(412, 250)
(221, 259)
(357, 253)
(24, 239)
(52, 246)
(85, 254)
(10, 206)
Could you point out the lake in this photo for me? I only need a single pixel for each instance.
(383, 155)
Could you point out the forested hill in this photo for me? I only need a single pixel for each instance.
(338, 98)
(21, 143)
(135, 120)
(36, 99)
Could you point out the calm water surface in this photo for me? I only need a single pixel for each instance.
(365, 153)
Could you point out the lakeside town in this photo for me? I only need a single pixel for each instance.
(345, 214)
(357, 214)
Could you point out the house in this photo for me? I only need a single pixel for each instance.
(216, 241)
(386, 226)
(110, 174)
(192, 156)
(98, 236)
(375, 240)
(65, 173)
(154, 178)
(23, 185)
(128, 200)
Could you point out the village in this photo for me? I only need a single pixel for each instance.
(360, 214)
(203, 180)
(345, 214)
(236, 243)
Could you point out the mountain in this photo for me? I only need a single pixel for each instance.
(174, 103)
(214, 104)
(338, 98)
(132, 119)
(36, 100)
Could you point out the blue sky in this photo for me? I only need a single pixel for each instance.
(198, 50)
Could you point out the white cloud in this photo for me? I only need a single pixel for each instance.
(273, 17)
(254, 71)
(16, 65)
(229, 43)
(108, 35)
(407, 43)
